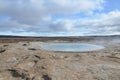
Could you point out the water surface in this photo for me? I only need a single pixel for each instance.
(71, 47)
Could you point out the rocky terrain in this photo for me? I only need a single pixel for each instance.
(26, 60)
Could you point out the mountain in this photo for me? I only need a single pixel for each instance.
(12, 36)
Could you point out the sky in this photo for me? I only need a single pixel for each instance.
(59, 17)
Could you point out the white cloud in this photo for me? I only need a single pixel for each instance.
(104, 24)
(35, 11)
(36, 16)
(11, 25)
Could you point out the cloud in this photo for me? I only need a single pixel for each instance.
(37, 17)
(103, 24)
(11, 25)
(36, 11)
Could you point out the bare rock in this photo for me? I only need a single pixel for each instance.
(117, 56)
(13, 59)
(24, 45)
(2, 50)
(46, 77)
(33, 49)
(21, 74)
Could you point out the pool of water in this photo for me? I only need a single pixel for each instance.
(70, 47)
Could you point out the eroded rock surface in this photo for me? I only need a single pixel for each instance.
(27, 62)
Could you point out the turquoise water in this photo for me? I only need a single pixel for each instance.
(73, 47)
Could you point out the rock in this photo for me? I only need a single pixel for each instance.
(33, 49)
(2, 50)
(46, 77)
(25, 65)
(22, 74)
(37, 56)
(13, 59)
(24, 45)
(5, 45)
(117, 56)
(38, 77)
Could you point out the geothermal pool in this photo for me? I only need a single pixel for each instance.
(70, 47)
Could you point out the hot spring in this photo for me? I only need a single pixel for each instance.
(71, 47)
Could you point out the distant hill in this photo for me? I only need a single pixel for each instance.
(11, 36)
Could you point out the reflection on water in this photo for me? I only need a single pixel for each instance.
(73, 47)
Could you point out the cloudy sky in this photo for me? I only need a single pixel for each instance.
(59, 17)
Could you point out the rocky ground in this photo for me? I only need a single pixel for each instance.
(27, 61)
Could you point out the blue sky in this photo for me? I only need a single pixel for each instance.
(112, 5)
(59, 17)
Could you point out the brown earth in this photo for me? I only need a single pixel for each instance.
(23, 59)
